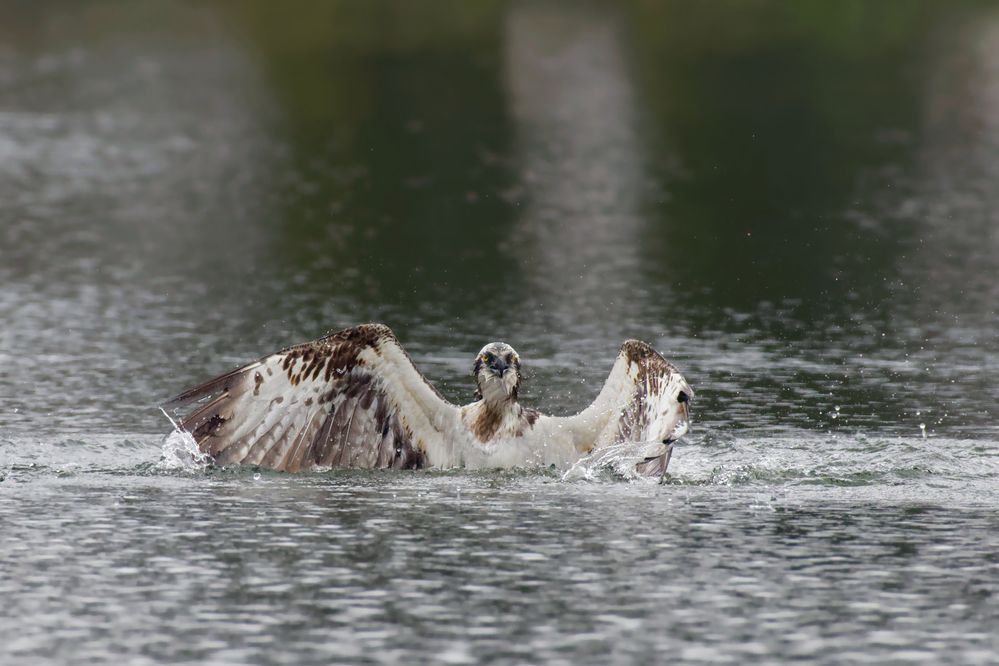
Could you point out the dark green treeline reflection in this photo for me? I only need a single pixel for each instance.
(397, 122)
(759, 122)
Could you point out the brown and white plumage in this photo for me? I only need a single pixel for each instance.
(353, 398)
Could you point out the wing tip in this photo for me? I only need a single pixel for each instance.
(185, 397)
(636, 350)
(646, 356)
(364, 334)
(218, 384)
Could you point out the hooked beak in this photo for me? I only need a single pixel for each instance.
(499, 367)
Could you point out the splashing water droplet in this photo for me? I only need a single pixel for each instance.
(922, 429)
(180, 452)
(619, 459)
(256, 477)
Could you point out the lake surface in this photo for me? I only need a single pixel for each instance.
(795, 202)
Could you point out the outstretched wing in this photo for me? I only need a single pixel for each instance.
(350, 399)
(645, 399)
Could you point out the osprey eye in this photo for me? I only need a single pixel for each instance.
(487, 357)
(682, 397)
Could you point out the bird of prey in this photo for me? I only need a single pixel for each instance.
(353, 398)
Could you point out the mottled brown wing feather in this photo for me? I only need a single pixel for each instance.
(655, 379)
(653, 372)
(320, 404)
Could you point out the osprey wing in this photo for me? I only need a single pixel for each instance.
(350, 399)
(645, 399)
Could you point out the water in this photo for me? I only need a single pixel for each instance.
(795, 202)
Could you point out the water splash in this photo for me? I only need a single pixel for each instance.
(620, 460)
(181, 452)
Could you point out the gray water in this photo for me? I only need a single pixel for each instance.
(795, 202)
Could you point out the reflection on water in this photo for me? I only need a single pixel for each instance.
(950, 197)
(793, 200)
(579, 231)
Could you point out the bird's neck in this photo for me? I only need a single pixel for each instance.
(499, 403)
(497, 395)
(490, 417)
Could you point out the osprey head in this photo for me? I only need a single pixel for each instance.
(497, 373)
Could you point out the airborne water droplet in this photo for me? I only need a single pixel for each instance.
(922, 429)
(256, 477)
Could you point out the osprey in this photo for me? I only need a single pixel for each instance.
(353, 398)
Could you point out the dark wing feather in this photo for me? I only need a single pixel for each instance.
(350, 399)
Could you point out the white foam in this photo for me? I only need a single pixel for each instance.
(621, 459)
(181, 452)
